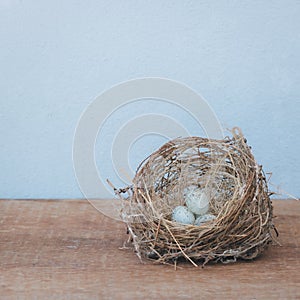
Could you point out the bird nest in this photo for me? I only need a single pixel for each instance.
(238, 199)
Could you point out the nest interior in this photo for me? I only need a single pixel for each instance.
(238, 193)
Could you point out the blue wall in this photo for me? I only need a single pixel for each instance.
(57, 56)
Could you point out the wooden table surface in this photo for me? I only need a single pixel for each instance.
(66, 249)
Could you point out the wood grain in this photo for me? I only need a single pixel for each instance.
(66, 249)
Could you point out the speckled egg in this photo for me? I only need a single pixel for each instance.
(196, 200)
(181, 214)
(203, 219)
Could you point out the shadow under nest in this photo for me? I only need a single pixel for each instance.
(238, 193)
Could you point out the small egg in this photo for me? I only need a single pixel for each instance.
(203, 219)
(181, 214)
(196, 200)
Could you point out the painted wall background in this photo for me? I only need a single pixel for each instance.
(243, 57)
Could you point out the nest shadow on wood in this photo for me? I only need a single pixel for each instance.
(238, 193)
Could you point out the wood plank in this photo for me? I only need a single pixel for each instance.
(68, 250)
